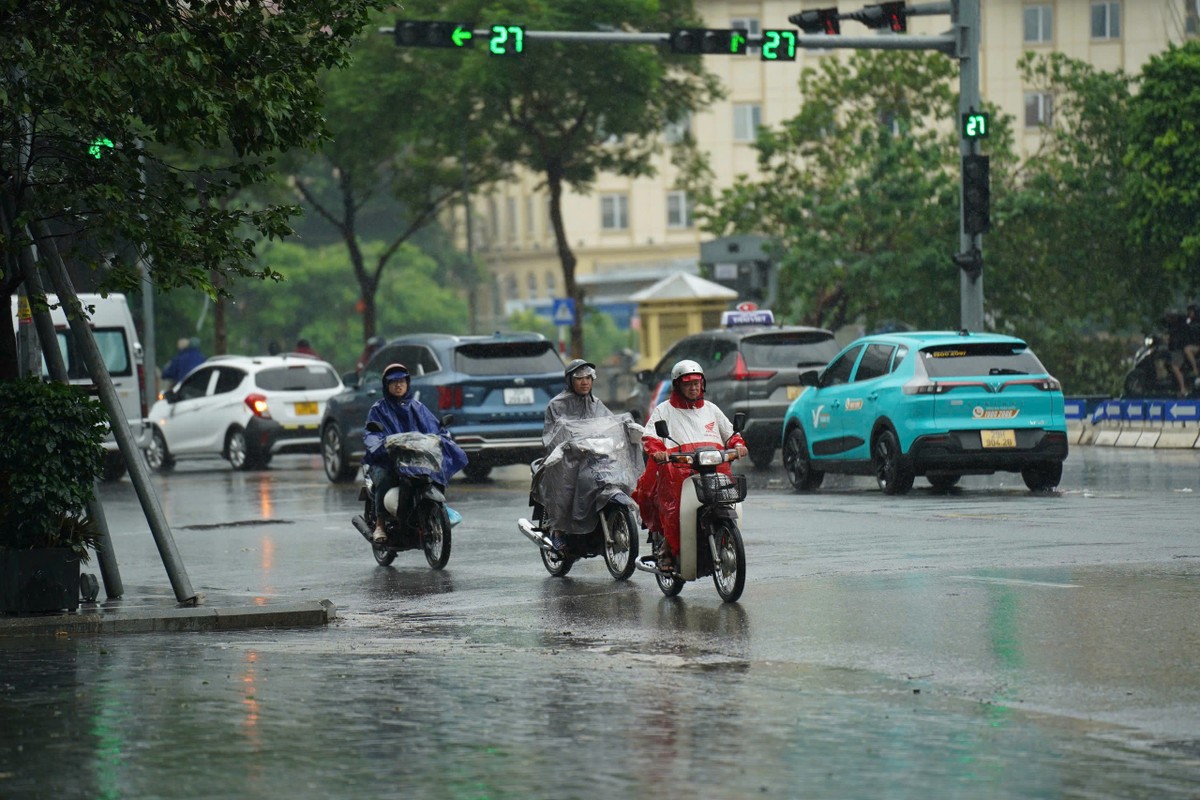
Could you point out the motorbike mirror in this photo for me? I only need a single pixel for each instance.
(644, 376)
(739, 421)
(660, 427)
(374, 427)
(447, 420)
(635, 415)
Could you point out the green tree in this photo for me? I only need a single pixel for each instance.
(858, 192)
(402, 144)
(570, 111)
(198, 78)
(1163, 190)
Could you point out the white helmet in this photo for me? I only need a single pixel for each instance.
(686, 367)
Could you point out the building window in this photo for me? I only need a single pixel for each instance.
(751, 27)
(614, 212)
(510, 211)
(529, 221)
(1106, 20)
(1039, 107)
(1039, 24)
(746, 119)
(551, 283)
(679, 210)
(676, 132)
(531, 280)
(1191, 17)
(493, 219)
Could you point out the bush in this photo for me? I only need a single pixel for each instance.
(51, 453)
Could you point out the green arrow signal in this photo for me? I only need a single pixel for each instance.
(460, 37)
(737, 43)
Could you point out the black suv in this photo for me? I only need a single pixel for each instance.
(495, 387)
(750, 368)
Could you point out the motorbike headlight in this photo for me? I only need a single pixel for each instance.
(709, 458)
(1149, 341)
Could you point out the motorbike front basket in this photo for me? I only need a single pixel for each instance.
(720, 488)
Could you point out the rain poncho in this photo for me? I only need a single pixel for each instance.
(591, 461)
(406, 415)
(568, 405)
(690, 426)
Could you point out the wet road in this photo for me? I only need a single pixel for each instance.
(985, 642)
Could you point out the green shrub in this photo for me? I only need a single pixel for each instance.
(51, 453)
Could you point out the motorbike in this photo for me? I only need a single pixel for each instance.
(584, 490)
(1151, 376)
(425, 522)
(710, 542)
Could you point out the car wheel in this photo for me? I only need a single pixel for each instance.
(236, 451)
(1042, 477)
(334, 455)
(797, 464)
(157, 455)
(892, 470)
(761, 456)
(475, 471)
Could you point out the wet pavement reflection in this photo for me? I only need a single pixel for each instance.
(983, 642)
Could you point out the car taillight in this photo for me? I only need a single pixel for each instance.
(1045, 384)
(924, 386)
(449, 397)
(742, 373)
(258, 405)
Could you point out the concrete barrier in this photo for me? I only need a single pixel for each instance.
(1133, 422)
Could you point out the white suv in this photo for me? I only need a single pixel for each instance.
(244, 409)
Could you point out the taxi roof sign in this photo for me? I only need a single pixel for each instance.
(732, 319)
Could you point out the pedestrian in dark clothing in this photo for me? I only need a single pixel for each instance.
(186, 359)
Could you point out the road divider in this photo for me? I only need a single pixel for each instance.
(1133, 422)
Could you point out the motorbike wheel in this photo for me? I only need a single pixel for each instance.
(435, 535)
(556, 563)
(729, 570)
(620, 556)
(383, 556)
(670, 585)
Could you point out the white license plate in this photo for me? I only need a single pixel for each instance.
(518, 397)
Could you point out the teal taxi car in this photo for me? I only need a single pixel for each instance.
(934, 404)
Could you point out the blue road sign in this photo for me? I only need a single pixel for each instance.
(1180, 410)
(563, 311)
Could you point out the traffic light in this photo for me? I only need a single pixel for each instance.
(778, 45)
(822, 20)
(976, 194)
(883, 16)
(427, 33)
(708, 41)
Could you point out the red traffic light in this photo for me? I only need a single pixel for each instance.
(821, 20)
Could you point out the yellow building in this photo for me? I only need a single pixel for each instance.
(630, 232)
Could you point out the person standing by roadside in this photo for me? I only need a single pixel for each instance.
(187, 357)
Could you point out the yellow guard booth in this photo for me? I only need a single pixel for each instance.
(677, 306)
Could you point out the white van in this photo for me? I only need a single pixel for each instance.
(117, 339)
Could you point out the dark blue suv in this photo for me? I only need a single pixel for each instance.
(496, 388)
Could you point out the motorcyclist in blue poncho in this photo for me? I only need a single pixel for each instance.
(399, 412)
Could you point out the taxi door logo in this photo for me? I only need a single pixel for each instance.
(819, 417)
(853, 405)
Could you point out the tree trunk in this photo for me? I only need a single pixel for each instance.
(567, 258)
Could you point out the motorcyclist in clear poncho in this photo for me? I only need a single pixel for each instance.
(591, 456)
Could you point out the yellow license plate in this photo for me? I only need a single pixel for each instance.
(1002, 438)
(794, 392)
(306, 409)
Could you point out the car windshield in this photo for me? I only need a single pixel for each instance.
(788, 349)
(297, 378)
(507, 358)
(991, 358)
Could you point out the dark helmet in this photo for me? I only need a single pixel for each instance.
(394, 372)
(575, 367)
(375, 342)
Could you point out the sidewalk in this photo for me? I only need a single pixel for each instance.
(143, 610)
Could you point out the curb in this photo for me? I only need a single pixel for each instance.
(98, 621)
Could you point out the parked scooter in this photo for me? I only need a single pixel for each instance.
(710, 542)
(1151, 376)
(583, 490)
(425, 521)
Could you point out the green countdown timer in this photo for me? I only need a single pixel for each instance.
(778, 46)
(974, 125)
(507, 40)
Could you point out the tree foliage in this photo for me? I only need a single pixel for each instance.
(1163, 157)
(217, 85)
(569, 111)
(858, 192)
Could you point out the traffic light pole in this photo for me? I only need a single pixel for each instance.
(965, 16)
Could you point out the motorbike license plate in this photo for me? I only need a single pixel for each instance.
(518, 397)
(1000, 438)
(306, 409)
